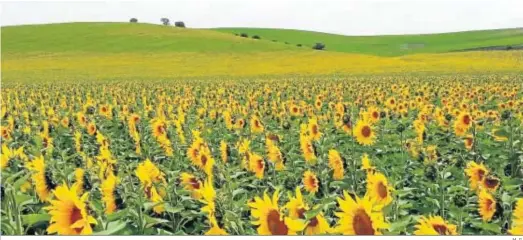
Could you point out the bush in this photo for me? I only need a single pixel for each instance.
(133, 20)
(274, 40)
(318, 46)
(256, 37)
(299, 45)
(286, 42)
(236, 34)
(244, 35)
(179, 24)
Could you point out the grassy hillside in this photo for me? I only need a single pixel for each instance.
(124, 37)
(105, 51)
(389, 45)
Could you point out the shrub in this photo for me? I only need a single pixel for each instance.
(165, 21)
(179, 24)
(244, 35)
(299, 45)
(318, 46)
(256, 37)
(133, 20)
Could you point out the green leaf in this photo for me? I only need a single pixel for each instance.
(113, 228)
(31, 219)
(21, 181)
(170, 209)
(116, 215)
(313, 213)
(491, 227)
(150, 221)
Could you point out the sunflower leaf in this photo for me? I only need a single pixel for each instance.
(113, 228)
(32, 219)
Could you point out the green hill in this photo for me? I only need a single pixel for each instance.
(389, 45)
(124, 37)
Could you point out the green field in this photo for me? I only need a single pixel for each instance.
(389, 45)
(54, 52)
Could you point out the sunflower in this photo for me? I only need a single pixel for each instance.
(310, 182)
(69, 215)
(459, 130)
(79, 179)
(294, 110)
(65, 122)
(206, 161)
(476, 173)
(379, 189)
(336, 164)
(434, 226)
(469, 142)
(316, 225)
(359, 217)
(191, 183)
(464, 120)
(41, 178)
(256, 125)
(9, 153)
(274, 155)
(517, 222)
(240, 123)
(491, 183)
(208, 196)
(91, 128)
(314, 129)
(366, 164)
(149, 176)
(269, 218)
(364, 133)
(373, 114)
(308, 150)
(108, 193)
(225, 151)
(487, 205)
(193, 152)
(257, 165)
(159, 128)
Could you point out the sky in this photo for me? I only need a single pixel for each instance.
(348, 17)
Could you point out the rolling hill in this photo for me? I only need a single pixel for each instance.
(389, 45)
(109, 51)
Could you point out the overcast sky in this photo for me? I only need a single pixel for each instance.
(350, 17)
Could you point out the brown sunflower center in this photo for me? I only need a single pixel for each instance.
(466, 119)
(490, 204)
(362, 223)
(314, 129)
(275, 224)
(76, 214)
(194, 183)
(441, 229)
(313, 222)
(312, 181)
(382, 190)
(480, 174)
(300, 212)
(260, 164)
(256, 123)
(366, 131)
(375, 115)
(203, 158)
(491, 182)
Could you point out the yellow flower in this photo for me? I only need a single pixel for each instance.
(307, 148)
(149, 175)
(274, 155)
(434, 226)
(310, 182)
(476, 173)
(359, 217)
(68, 212)
(366, 164)
(270, 220)
(364, 133)
(314, 129)
(378, 189)
(517, 221)
(316, 225)
(336, 163)
(108, 193)
(190, 183)
(257, 165)
(225, 151)
(256, 125)
(487, 205)
(215, 229)
(41, 178)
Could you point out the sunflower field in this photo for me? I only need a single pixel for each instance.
(330, 155)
